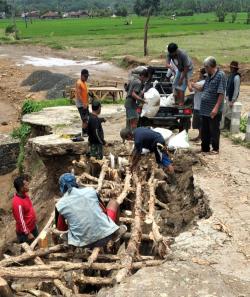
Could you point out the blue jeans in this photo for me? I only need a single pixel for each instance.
(21, 237)
(183, 87)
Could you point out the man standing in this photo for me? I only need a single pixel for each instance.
(95, 131)
(213, 93)
(145, 138)
(82, 99)
(24, 212)
(134, 94)
(184, 70)
(89, 223)
(232, 91)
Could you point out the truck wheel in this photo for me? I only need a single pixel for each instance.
(185, 124)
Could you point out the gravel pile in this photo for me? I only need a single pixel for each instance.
(44, 80)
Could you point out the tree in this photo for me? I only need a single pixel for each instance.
(121, 11)
(248, 16)
(221, 11)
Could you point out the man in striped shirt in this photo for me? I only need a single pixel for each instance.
(23, 211)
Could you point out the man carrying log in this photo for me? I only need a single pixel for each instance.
(145, 138)
(89, 223)
(23, 211)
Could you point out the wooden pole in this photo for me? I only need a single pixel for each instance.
(126, 188)
(102, 176)
(134, 242)
(5, 290)
(45, 229)
(30, 255)
(14, 272)
(92, 258)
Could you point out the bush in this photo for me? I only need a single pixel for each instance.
(243, 124)
(10, 29)
(30, 106)
(234, 17)
(184, 13)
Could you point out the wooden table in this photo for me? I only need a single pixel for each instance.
(101, 93)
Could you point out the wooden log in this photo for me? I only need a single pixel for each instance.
(161, 204)
(38, 293)
(126, 220)
(126, 188)
(92, 258)
(161, 243)
(100, 281)
(58, 283)
(64, 290)
(134, 242)
(14, 272)
(44, 230)
(144, 237)
(5, 290)
(102, 175)
(31, 255)
(101, 257)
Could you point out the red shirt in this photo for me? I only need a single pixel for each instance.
(24, 214)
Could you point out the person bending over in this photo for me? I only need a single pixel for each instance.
(80, 211)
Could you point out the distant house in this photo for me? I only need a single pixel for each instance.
(51, 15)
(33, 14)
(78, 14)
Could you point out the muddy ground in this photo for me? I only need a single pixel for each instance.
(225, 178)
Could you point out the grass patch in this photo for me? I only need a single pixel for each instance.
(243, 124)
(236, 140)
(201, 35)
(22, 133)
(30, 106)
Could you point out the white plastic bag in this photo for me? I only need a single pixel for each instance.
(166, 134)
(167, 101)
(152, 106)
(179, 141)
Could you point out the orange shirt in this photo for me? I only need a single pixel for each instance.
(82, 92)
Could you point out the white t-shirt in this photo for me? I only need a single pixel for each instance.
(197, 95)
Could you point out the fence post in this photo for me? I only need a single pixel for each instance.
(235, 120)
(248, 129)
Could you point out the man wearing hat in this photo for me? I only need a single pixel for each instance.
(89, 223)
(232, 91)
(184, 71)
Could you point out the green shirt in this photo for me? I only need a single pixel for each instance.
(134, 86)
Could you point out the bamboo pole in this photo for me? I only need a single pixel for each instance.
(45, 229)
(134, 242)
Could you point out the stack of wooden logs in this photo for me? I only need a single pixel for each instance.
(69, 272)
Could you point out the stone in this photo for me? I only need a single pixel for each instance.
(9, 151)
(175, 279)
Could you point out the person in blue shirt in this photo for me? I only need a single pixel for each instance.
(145, 138)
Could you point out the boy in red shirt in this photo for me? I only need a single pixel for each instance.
(24, 212)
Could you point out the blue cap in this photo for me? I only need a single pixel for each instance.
(66, 182)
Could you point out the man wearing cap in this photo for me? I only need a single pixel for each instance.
(95, 131)
(145, 138)
(232, 91)
(184, 71)
(89, 223)
(82, 99)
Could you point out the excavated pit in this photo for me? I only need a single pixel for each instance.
(178, 208)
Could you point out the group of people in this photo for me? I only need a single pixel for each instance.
(80, 212)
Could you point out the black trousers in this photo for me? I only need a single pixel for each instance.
(210, 132)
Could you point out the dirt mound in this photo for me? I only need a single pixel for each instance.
(131, 61)
(58, 89)
(44, 80)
